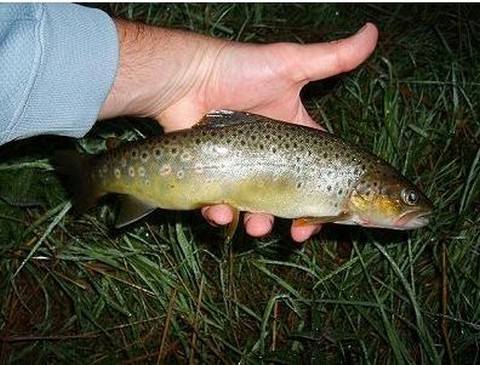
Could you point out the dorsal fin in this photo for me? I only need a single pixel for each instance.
(224, 117)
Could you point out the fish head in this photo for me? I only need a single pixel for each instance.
(387, 200)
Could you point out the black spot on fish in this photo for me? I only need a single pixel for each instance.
(329, 188)
(340, 191)
(134, 153)
(157, 153)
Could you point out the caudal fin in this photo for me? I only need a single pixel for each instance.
(76, 167)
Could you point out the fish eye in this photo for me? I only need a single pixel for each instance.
(410, 196)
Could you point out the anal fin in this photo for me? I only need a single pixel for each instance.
(232, 226)
(131, 210)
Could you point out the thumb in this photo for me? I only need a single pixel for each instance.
(321, 60)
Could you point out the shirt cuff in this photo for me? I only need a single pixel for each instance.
(78, 51)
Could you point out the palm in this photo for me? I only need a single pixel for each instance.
(261, 84)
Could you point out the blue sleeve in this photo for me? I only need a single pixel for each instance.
(57, 64)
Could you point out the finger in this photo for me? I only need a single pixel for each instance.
(321, 60)
(305, 119)
(304, 232)
(258, 224)
(184, 114)
(296, 114)
(218, 215)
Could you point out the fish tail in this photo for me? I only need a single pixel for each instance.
(76, 167)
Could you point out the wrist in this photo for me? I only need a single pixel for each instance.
(157, 67)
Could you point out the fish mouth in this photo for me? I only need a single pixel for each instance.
(412, 219)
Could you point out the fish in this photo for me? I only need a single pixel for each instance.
(252, 163)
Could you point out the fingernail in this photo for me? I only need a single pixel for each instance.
(362, 29)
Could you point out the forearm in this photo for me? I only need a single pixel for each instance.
(157, 67)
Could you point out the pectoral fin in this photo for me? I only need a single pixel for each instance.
(131, 210)
(308, 221)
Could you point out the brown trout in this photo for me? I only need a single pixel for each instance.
(254, 164)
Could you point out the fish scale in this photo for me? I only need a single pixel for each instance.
(256, 164)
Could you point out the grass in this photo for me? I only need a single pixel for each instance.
(169, 291)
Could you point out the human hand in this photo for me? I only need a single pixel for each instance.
(176, 77)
